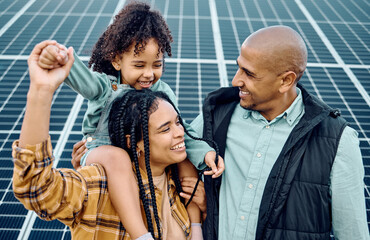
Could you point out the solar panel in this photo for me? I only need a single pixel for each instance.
(207, 37)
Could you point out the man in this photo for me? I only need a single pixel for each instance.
(293, 167)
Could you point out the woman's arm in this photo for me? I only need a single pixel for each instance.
(39, 187)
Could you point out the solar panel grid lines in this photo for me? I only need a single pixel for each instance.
(87, 35)
(233, 26)
(197, 44)
(179, 42)
(80, 22)
(341, 36)
(333, 51)
(218, 45)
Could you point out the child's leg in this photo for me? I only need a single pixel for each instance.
(122, 186)
(187, 169)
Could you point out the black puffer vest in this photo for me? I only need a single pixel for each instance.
(296, 199)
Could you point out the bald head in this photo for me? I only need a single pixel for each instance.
(281, 49)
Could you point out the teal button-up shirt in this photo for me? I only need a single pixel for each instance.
(252, 147)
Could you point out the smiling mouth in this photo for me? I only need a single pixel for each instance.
(244, 92)
(178, 146)
(146, 84)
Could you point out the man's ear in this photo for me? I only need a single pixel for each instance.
(288, 80)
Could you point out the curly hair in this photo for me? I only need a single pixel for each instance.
(130, 116)
(134, 26)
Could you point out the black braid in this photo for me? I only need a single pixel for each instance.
(144, 119)
(141, 185)
(129, 116)
(117, 125)
(175, 177)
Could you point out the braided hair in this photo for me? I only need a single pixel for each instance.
(134, 26)
(130, 116)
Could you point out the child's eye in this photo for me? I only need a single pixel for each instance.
(158, 65)
(139, 66)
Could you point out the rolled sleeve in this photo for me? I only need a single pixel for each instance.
(51, 193)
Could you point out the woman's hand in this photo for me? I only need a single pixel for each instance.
(79, 149)
(188, 184)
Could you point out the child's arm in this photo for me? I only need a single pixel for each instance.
(91, 85)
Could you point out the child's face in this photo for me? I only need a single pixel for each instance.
(142, 70)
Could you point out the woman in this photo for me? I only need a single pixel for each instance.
(80, 199)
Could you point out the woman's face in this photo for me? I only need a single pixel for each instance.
(166, 138)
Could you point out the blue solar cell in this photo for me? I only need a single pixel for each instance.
(9, 234)
(236, 19)
(41, 224)
(12, 209)
(11, 223)
(9, 196)
(36, 235)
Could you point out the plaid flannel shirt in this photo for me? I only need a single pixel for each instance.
(79, 198)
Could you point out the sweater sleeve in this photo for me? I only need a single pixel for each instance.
(91, 85)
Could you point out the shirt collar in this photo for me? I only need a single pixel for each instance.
(290, 115)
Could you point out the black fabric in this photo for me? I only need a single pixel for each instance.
(296, 200)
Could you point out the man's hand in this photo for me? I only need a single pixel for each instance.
(79, 149)
(210, 161)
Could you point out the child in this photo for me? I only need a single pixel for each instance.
(129, 54)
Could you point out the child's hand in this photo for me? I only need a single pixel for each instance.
(209, 159)
(44, 78)
(79, 149)
(53, 56)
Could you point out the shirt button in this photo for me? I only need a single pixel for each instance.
(267, 126)
(250, 186)
(284, 117)
(259, 155)
(89, 139)
(242, 218)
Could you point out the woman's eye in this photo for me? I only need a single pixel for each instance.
(139, 66)
(166, 130)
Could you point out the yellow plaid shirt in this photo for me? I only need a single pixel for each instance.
(79, 198)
